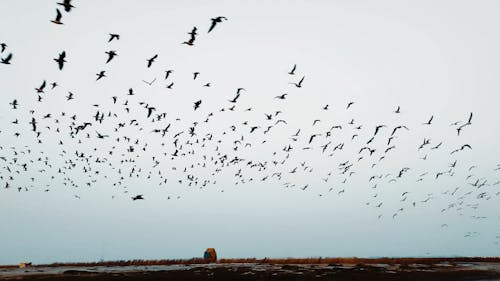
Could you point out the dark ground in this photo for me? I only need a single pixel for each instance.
(257, 272)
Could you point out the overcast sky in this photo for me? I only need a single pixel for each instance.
(431, 58)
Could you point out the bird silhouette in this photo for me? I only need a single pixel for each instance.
(429, 122)
(167, 73)
(113, 36)
(67, 5)
(138, 197)
(40, 89)
(193, 34)
(299, 85)
(61, 60)
(215, 21)
(7, 59)
(111, 55)
(197, 104)
(151, 60)
(101, 75)
(58, 18)
(281, 97)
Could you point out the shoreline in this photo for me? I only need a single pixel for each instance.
(443, 270)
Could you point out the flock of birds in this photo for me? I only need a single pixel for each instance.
(128, 138)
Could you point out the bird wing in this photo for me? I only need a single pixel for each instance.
(212, 26)
(59, 15)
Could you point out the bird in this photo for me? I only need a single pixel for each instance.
(470, 119)
(235, 98)
(429, 122)
(193, 34)
(299, 85)
(57, 20)
(215, 21)
(377, 128)
(33, 124)
(292, 72)
(61, 60)
(138, 197)
(69, 96)
(151, 60)
(167, 73)
(398, 110)
(101, 75)
(195, 75)
(3, 46)
(197, 104)
(113, 36)
(101, 136)
(313, 136)
(67, 5)
(7, 59)
(40, 89)
(349, 104)
(282, 97)
(111, 55)
(461, 148)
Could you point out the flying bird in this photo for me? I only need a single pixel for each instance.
(67, 5)
(193, 34)
(429, 122)
(299, 85)
(215, 21)
(113, 36)
(167, 73)
(138, 197)
(101, 75)
(111, 55)
(57, 20)
(197, 104)
(40, 89)
(151, 60)
(61, 60)
(235, 98)
(292, 72)
(7, 59)
(282, 97)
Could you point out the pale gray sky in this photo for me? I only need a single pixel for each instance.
(429, 57)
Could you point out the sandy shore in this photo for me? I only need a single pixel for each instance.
(421, 272)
